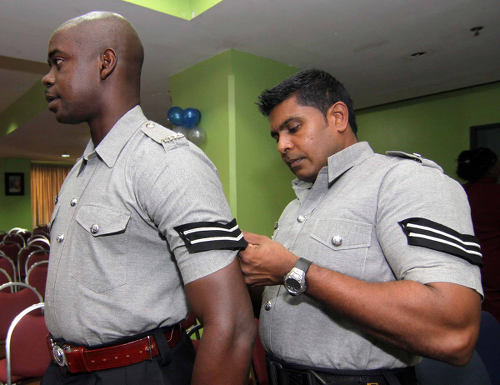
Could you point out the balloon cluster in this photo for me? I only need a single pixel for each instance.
(186, 122)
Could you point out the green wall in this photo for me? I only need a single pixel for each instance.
(225, 88)
(435, 126)
(15, 211)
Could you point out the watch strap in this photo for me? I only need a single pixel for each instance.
(303, 264)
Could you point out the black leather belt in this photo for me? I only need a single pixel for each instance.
(281, 373)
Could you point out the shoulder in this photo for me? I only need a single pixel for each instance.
(163, 136)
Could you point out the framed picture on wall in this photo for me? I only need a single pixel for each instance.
(487, 135)
(14, 183)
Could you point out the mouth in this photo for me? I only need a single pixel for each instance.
(50, 100)
(294, 162)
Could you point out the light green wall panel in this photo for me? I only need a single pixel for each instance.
(264, 181)
(205, 87)
(23, 109)
(436, 126)
(225, 89)
(15, 211)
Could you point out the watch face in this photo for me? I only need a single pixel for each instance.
(292, 284)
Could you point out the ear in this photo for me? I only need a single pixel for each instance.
(338, 116)
(107, 62)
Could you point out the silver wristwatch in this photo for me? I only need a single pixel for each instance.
(295, 279)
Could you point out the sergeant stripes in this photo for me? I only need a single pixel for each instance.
(203, 236)
(426, 233)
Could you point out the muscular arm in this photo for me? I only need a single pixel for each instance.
(439, 320)
(221, 302)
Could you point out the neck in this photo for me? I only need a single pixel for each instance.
(102, 124)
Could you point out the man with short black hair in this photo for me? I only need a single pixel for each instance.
(373, 264)
(141, 229)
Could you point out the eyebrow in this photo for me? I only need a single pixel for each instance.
(53, 53)
(282, 125)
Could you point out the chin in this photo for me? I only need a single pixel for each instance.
(68, 119)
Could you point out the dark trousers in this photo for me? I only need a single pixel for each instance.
(151, 372)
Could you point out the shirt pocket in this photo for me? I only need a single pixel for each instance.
(100, 255)
(341, 245)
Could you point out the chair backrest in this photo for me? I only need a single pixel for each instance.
(35, 256)
(26, 346)
(37, 276)
(488, 345)
(4, 278)
(12, 303)
(434, 372)
(10, 250)
(16, 238)
(22, 256)
(39, 240)
(8, 265)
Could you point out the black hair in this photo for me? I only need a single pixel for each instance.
(312, 87)
(475, 164)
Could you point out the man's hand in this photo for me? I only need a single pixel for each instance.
(264, 261)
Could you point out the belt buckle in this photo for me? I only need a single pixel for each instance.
(58, 354)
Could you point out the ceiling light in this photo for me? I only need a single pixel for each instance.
(64, 155)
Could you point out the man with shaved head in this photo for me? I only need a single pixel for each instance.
(141, 233)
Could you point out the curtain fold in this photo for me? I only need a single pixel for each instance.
(46, 180)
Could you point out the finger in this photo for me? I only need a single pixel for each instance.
(253, 238)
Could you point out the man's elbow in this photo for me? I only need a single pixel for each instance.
(238, 334)
(459, 347)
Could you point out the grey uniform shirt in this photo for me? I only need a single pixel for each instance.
(117, 265)
(347, 221)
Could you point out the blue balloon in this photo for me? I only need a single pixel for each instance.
(175, 115)
(191, 117)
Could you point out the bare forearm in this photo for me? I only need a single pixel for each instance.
(420, 318)
(222, 304)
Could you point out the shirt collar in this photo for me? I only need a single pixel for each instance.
(114, 141)
(343, 160)
(338, 164)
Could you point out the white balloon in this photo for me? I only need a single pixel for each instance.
(181, 130)
(197, 135)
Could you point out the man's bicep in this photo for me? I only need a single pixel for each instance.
(219, 296)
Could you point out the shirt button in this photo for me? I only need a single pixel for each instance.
(94, 229)
(73, 202)
(301, 219)
(337, 240)
(268, 305)
(60, 238)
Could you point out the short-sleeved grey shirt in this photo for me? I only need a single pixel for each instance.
(347, 221)
(117, 265)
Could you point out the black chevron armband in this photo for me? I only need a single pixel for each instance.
(204, 236)
(426, 233)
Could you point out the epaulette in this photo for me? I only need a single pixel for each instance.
(167, 138)
(416, 157)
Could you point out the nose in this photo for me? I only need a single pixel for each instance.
(48, 79)
(284, 144)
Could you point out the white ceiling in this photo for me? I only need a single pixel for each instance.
(367, 44)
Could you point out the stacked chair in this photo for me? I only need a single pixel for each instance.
(25, 346)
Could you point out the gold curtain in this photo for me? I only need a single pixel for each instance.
(46, 180)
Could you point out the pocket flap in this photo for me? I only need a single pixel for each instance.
(98, 220)
(340, 234)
